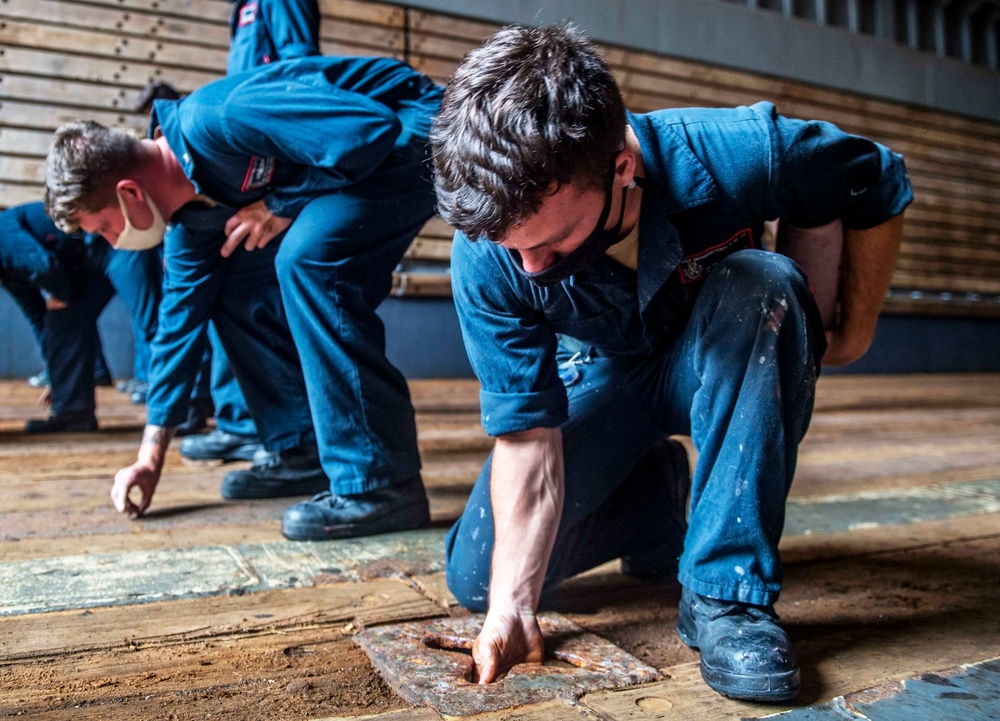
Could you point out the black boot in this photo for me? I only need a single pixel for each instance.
(745, 654)
(73, 422)
(295, 472)
(199, 411)
(396, 508)
(220, 446)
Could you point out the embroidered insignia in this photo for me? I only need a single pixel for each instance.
(694, 267)
(259, 173)
(248, 13)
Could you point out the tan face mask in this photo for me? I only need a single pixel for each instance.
(131, 238)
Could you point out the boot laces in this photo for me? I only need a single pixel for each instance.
(756, 613)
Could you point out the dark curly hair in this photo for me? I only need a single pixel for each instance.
(529, 111)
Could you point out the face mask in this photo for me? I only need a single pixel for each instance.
(595, 245)
(131, 238)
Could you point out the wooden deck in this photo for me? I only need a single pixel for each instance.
(202, 610)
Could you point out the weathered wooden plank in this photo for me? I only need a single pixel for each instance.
(338, 30)
(147, 576)
(217, 11)
(463, 29)
(107, 102)
(112, 71)
(862, 542)
(121, 21)
(15, 141)
(422, 247)
(421, 284)
(329, 47)
(288, 674)
(49, 117)
(373, 13)
(411, 714)
(24, 34)
(21, 170)
(67, 633)
(15, 194)
(866, 646)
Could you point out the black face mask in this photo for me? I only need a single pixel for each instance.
(596, 245)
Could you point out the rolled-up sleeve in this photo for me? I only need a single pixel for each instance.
(193, 277)
(511, 348)
(820, 173)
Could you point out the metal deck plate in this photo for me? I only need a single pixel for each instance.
(430, 662)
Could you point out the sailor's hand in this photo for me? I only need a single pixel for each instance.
(140, 476)
(254, 226)
(509, 637)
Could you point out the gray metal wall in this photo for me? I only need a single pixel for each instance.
(758, 40)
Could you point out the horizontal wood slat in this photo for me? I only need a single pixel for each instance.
(70, 58)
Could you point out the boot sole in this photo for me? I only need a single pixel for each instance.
(769, 688)
(255, 491)
(407, 518)
(228, 456)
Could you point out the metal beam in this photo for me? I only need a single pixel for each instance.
(732, 35)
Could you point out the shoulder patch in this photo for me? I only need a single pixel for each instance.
(248, 14)
(259, 173)
(694, 267)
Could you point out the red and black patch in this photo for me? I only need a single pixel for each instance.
(259, 173)
(694, 267)
(248, 14)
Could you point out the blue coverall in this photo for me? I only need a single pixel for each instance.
(84, 272)
(266, 31)
(711, 337)
(263, 31)
(340, 145)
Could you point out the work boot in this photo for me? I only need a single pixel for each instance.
(664, 468)
(199, 411)
(72, 422)
(396, 508)
(220, 446)
(745, 654)
(295, 472)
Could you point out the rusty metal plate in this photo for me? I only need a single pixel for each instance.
(430, 663)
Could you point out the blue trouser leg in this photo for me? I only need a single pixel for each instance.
(29, 299)
(741, 383)
(70, 345)
(231, 412)
(240, 296)
(335, 267)
(137, 277)
(753, 377)
(251, 326)
(32, 304)
(203, 384)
